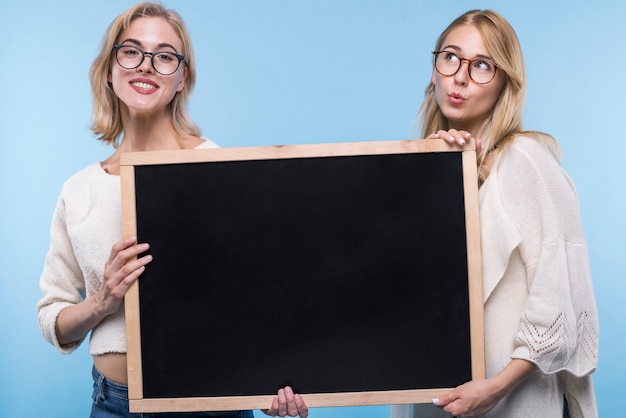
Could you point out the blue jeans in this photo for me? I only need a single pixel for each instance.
(110, 400)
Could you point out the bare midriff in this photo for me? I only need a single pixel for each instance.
(112, 366)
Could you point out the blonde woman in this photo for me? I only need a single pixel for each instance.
(141, 81)
(541, 325)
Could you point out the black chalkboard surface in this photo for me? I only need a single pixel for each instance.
(341, 272)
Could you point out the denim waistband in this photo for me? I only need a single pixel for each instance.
(108, 387)
(116, 396)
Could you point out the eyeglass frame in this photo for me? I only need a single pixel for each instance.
(469, 63)
(181, 58)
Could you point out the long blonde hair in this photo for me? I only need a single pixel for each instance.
(106, 115)
(505, 121)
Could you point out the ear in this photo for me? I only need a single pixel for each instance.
(432, 78)
(181, 83)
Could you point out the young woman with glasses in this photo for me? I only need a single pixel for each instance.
(141, 81)
(541, 324)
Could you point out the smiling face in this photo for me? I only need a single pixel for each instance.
(465, 103)
(142, 89)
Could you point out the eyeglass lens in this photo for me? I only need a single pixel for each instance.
(481, 71)
(130, 57)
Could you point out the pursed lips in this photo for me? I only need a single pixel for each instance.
(456, 98)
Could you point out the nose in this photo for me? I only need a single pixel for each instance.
(146, 64)
(462, 74)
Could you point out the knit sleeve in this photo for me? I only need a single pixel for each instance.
(61, 281)
(558, 328)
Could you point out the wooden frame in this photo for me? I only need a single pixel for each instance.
(131, 162)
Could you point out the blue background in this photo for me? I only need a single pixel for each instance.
(277, 72)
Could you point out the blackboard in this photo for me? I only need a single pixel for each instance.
(349, 271)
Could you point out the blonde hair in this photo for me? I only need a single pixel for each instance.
(505, 121)
(106, 115)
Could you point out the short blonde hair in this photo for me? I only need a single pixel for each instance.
(506, 119)
(106, 116)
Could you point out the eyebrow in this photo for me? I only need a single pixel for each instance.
(138, 43)
(458, 49)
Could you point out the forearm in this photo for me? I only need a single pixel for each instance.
(74, 322)
(120, 272)
(512, 375)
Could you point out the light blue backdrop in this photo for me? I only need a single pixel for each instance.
(276, 72)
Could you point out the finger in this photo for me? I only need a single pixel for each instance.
(127, 262)
(303, 410)
(119, 281)
(121, 253)
(451, 135)
(129, 278)
(461, 137)
(441, 134)
(282, 403)
(443, 400)
(453, 409)
(273, 408)
(447, 136)
(120, 246)
(132, 266)
(132, 252)
(125, 243)
(292, 409)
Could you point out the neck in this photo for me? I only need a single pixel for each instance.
(148, 134)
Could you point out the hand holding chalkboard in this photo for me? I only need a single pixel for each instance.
(287, 403)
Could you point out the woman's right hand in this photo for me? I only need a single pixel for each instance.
(453, 135)
(120, 272)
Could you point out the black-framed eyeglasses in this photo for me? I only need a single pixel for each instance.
(163, 62)
(480, 70)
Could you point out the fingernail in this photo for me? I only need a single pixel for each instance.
(435, 400)
(461, 141)
(451, 138)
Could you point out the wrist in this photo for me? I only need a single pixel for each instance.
(512, 375)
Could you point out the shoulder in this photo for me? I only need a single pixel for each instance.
(85, 175)
(528, 170)
(89, 182)
(530, 158)
(533, 146)
(207, 143)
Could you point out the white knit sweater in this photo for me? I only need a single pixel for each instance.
(86, 223)
(539, 300)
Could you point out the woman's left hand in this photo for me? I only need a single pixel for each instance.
(470, 399)
(287, 403)
(479, 396)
